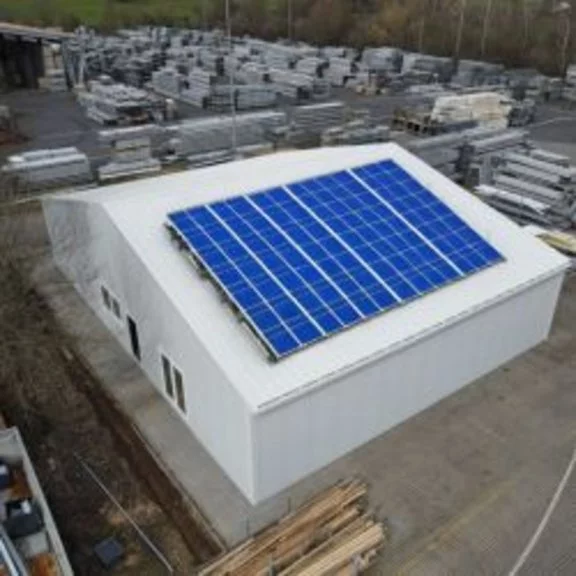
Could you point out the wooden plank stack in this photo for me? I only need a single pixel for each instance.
(331, 535)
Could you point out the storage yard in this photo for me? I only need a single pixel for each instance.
(364, 456)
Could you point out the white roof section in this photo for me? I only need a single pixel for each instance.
(139, 210)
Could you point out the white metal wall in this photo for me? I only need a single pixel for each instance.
(91, 251)
(298, 438)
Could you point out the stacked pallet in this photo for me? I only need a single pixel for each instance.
(330, 535)
(131, 153)
(39, 169)
(355, 133)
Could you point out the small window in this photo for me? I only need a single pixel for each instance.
(116, 308)
(166, 369)
(106, 297)
(179, 390)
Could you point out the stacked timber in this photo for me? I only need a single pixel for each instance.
(330, 535)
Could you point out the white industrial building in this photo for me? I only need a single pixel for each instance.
(269, 424)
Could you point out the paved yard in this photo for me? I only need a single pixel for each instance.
(462, 486)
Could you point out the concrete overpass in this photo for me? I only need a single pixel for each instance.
(21, 58)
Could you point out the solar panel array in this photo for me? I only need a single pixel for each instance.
(304, 261)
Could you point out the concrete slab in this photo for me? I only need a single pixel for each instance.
(462, 485)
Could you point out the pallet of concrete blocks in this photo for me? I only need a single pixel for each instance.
(355, 133)
(315, 118)
(486, 109)
(39, 169)
(167, 82)
(196, 137)
(292, 84)
(253, 73)
(54, 81)
(131, 152)
(340, 70)
(212, 61)
(383, 59)
(255, 96)
(330, 535)
(312, 66)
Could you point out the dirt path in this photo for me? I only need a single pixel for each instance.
(61, 411)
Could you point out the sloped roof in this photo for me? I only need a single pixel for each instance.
(139, 211)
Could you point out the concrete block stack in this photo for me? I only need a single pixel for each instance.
(477, 73)
(51, 168)
(312, 66)
(424, 69)
(487, 109)
(117, 104)
(253, 73)
(131, 153)
(54, 80)
(292, 84)
(200, 87)
(168, 82)
(569, 93)
(201, 141)
(382, 59)
(309, 122)
(340, 70)
(255, 96)
(355, 133)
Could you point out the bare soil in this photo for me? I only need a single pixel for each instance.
(62, 413)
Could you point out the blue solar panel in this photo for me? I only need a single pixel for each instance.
(309, 259)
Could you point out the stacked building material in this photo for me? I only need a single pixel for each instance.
(117, 104)
(533, 186)
(569, 93)
(249, 97)
(426, 67)
(329, 535)
(194, 139)
(316, 118)
(477, 73)
(131, 153)
(199, 89)
(292, 84)
(479, 149)
(382, 59)
(312, 66)
(488, 109)
(340, 70)
(167, 82)
(212, 61)
(41, 169)
(441, 152)
(355, 133)
(54, 80)
(253, 73)
(520, 208)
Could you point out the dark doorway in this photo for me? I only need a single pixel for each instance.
(134, 341)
